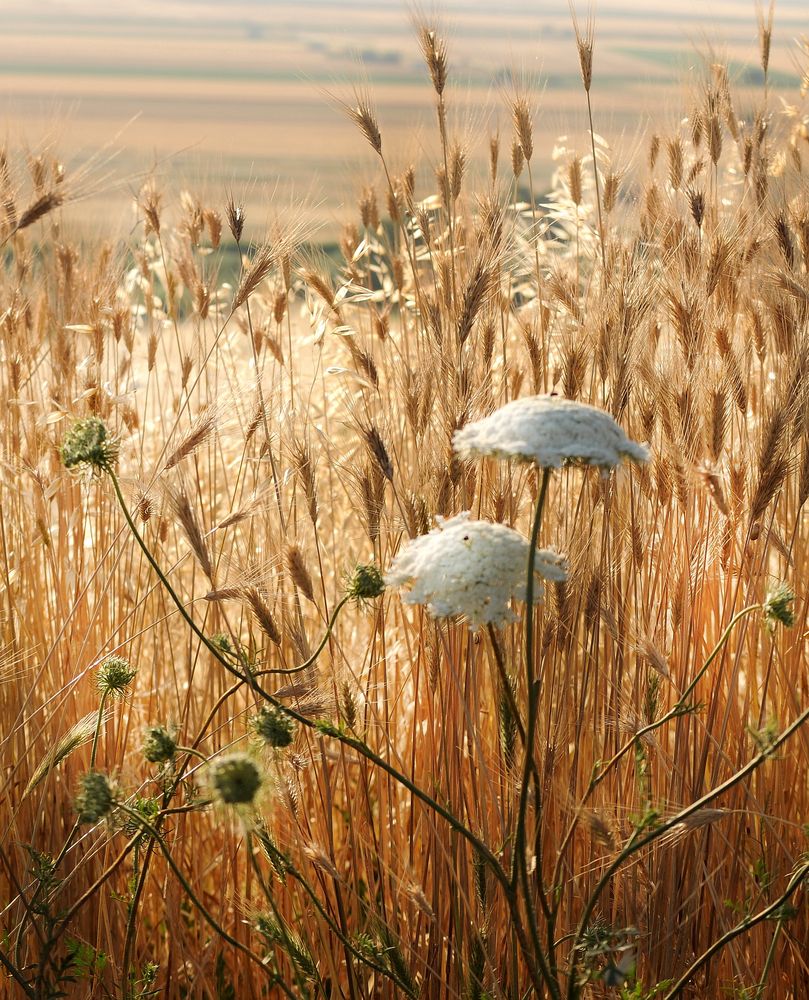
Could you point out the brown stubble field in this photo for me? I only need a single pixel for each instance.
(235, 97)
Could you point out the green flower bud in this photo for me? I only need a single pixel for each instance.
(159, 745)
(273, 727)
(114, 676)
(365, 583)
(778, 607)
(234, 779)
(88, 442)
(95, 798)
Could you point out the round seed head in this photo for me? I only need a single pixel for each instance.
(114, 676)
(273, 727)
(778, 607)
(88, 442)
(235, 779)
(159, 745)
(95, 798)
(365, 583)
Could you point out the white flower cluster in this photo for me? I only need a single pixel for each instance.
(550, 431)
(471, 569)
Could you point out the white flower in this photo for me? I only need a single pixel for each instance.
(470, 568)
(550, 431)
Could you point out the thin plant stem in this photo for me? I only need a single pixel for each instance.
(598, 187)
(798, 878)
(505, 681)
(349, 741)
(204, 912)
(97, 733)
(519, 870)
(636, 844)
(768, 962)
(16, 975)
(678, 709)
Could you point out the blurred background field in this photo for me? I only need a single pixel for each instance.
(231, 96)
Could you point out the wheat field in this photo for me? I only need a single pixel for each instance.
(233, 767)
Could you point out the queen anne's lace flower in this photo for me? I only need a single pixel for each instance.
(550, 431)
(470, 568)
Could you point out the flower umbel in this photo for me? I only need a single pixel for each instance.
(470, 568)
(235, 779)
(88, 442)
(114, 676)
(549, 431)
(95, 798)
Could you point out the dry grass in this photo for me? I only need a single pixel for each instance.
(274, 435)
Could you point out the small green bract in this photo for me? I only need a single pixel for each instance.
(273, 727)
(94, 799)
(114, 676)
(365, 583)
(778, 607)
(88, 442)
(235, 779)
(159, 745)
(222, 642)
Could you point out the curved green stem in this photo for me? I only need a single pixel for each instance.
(361, 748)
(326, 635)
(794, 883)
(303, 720)
(530, 683)
(636, 845)
(673, 712)
(16, 975)
(193, 752)
(172, 594)
(97, 733)
(681, 704)
(205, 913)
(768, 961)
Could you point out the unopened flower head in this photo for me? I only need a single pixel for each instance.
(159, 744)
(549, 431)
(778, 607)
(235, 779)
(88, 442)
(365, 583)
(95, 797)
(470, 568)
(273, 727)
(114, 676)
